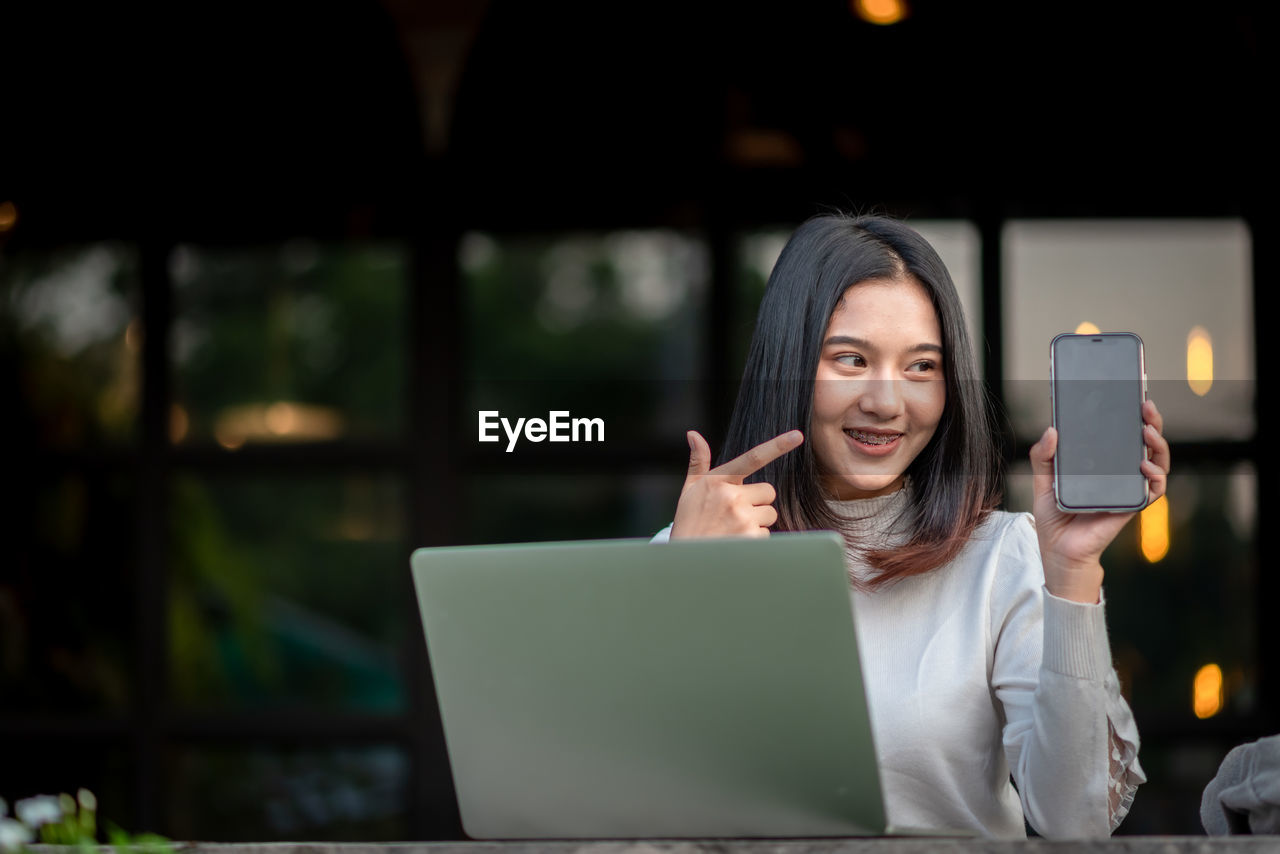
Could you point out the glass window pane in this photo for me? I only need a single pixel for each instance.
(599, 325)
(298, 343)
(757, 252)
(70, 342)
(288, 593)
(960, 248)
(67, 603)
(266, 794)
(1184, 286)
(956, 241)
(1181, 585)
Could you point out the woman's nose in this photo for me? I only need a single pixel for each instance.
(882, 398)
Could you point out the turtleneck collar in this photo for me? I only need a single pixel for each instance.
(872, 516)
(871, 523)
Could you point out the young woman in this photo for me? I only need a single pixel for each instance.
(985, 653)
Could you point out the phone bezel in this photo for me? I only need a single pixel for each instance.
(1053, 402)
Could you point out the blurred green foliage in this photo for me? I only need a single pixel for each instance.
(320, 325)
(601, 325)
(288, 593)
(70, 340)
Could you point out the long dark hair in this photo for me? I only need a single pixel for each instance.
(955, 479)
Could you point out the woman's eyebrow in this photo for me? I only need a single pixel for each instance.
(849, 340)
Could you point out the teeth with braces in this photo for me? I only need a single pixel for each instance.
(873, 438)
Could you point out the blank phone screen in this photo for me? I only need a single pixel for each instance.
(1097, 408)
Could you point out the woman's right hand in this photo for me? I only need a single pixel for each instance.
(715, 502)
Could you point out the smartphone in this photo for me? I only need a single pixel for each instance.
(1098, 383)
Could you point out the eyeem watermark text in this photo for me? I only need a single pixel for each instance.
(558, 427)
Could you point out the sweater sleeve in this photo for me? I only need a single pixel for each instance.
(1069, 737)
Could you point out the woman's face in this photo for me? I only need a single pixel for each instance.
(881, 387)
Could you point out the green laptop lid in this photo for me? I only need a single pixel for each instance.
(628, 689)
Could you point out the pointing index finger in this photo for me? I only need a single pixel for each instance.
(761, 455)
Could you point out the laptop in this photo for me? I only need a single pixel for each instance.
(624, 689)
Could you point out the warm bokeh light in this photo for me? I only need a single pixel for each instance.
(1153, 530)
(1207, 691)
(228, 439)
(8, 216)
(358, 528)
(764, 147)
(179, 424)
(883, 12)
(1199, 360)
(282, 421)
(281, 418)
(133, 335)
(1087, 328)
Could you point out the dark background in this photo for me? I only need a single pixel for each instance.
(217, 635)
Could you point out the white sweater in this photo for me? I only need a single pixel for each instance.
(974, 671)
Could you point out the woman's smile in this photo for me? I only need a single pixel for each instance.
(873, 442)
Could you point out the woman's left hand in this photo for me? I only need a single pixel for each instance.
(1071, 544)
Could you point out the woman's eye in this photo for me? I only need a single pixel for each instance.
(853, 360)
(923, 367)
